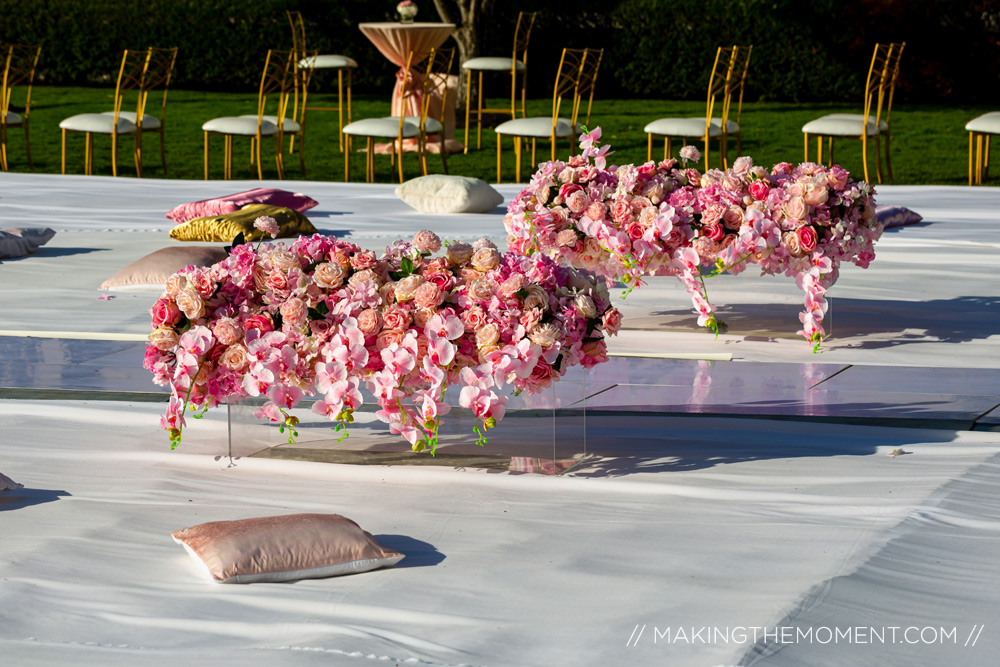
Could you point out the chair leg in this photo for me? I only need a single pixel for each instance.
(347, 160)
(64, 151)
(468, 105)
(970, 159)
(649, 148)
(499, 147)
(137, 154)
(260, 167)
(206, 156)
(533, 160)
(829, 146)
(229, 157)
(708, 150)
(3, 147)
(986, 156)
(27, 149)
(88, 156)
(400, 157)
(517, 158)
(369, 160)
(667, 152)
(479, 115)
(864, 155)
(114, 155)
(805, 156)
(819, 150)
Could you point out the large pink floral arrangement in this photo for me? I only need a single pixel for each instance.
(627, 222)
(322, 317)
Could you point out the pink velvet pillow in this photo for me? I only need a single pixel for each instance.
(284, 548)
(230, 203)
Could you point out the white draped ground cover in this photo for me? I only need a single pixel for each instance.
(677, 526)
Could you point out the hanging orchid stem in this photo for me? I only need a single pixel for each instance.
(175, 442)
(290, 422)
(713, 322)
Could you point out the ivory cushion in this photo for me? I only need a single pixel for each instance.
(432, 126)
(538, 127)
(988, 123)
(13, 119)
(148, 122)
(288, 125)
(241, 125)
(438, 193)
(384, 128)
(858, 118)
(284, 548)
(684, 127)
(97, 123)
(493, 64)
(834, 126)
(328, 61)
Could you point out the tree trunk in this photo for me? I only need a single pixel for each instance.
(468, 17)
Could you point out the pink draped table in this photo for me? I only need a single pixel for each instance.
(395, 41)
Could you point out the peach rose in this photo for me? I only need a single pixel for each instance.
(329, 275)
(536, 297)
(485, 259)
(480, 290)
(587, 260)
(364, 275)
(276, 281)
(459, 253)
(175, 284)
(428, 295)
(235, 357)
(483, 242)
(592, 245)
(421, 316)
(577, 201)
(512, 285)
(816, 195)
(473, 318)
(284, 260)
(369, 321)
(396, 318)
(545, 334)
(163, 338)
(791, 241)
(621, 212)
(585, 306)
(227, 331)
(294, 311)
(488, 334)
(204, 284)
(796, 208)
(387, 337)
(733, 218)
(363, 260)
(191, 304)
(405, 287)
(596, 211)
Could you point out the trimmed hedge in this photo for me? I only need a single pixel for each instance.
(808, 51)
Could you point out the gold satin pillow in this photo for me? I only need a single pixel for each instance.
(226, 227)
(284, 548)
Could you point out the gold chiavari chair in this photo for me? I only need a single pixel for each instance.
(275, 84)
(343, 65)
(577, 72)
(20, 61)
(715, 124)
(865, 126)
(114, 124)
(517, 63)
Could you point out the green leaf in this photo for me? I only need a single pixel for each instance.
(406, 266)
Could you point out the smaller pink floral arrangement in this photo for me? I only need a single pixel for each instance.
(325, 318)
(627, 222)
(407, 9)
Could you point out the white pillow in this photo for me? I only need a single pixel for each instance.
(7, 484)
(438, 193)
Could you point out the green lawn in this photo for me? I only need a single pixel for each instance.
(929, 144)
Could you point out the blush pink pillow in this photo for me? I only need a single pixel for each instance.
(231, 203)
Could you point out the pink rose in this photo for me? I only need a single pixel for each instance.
(714, 231)
(837, 177)
(782, 168)
(568, 189)
(369, 322)
(530, 318)
(733, 218)
(577, 201)
(690, 153)
(535, 297)
(428, 295)
(480, 290)
(541, 374)
(421, 316)
(444, 281)
(791, 241)
(396, 318)
(459, 253)
(319, 329)
(363, 260)
(566, 237)
(742, 165)
(596, 211)
(712, 214)
(693, 177)
(635, 231)
(260, 321)
(473, 318)
(165, 313)
(759, 189)
(816, 195)
(267, 224)
(294, 311)
(587, 260)
(612, 322)
(227, 331)
(276, 281)
(364, 275)
(621, 212)
(594, 352)
(676, 237)
(807, 238)
(426, 241)
(203, 282)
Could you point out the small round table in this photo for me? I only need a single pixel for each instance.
(395, 41)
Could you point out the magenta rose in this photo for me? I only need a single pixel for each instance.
(807, 238)
(612, 321)
(714, 231)
(635, 231)
(260, 321)
(759, 189)
(568, 189)
(165, 313)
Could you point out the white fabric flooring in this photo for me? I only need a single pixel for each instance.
(675, 526)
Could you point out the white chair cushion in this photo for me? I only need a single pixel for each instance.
(328, 61)
(383, 128)
(988, 123)
(493, 64)
(732, 127)
(13, 118)
(858, 118)
(682, 127)
(438, 193)
(97, 123)
(832, 126)
(288, 126)
(432, 126)
(538, 127)
(148, 122)
(244, 126)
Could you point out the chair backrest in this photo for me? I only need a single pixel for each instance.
(737, 79)
(278, 80)
(567, 83)
(435, 82)
(587, 82)
(159, 69)
(298, 30)
(717, 85)
(131, 75)
(525, 20)
(879, 78)
(895, 56)
(18, 70)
